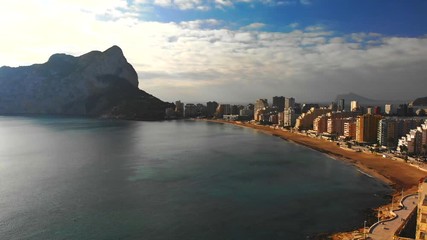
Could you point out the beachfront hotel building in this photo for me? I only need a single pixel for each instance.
(179, 109)
(260, 104)
(421, 230)
(320, 124)
(289, 117)
(305, 120)
(350, 129)
(391, 129)
(415, 142)
(367, 128)
(388, 132)
(333, 122)
(211, 108)
(337, 125)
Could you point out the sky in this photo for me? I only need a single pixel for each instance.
(235, 51)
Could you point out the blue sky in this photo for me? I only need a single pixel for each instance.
(235, 51)
(392, 17)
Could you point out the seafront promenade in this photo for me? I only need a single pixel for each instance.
(386, 229)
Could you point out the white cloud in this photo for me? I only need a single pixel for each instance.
(294, 25)
(253, 26)
(163, 3)
(200, 60)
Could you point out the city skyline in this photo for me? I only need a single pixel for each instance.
(198, 51)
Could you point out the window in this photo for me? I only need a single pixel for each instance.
(423, 218)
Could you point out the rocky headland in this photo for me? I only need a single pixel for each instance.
(96, 84)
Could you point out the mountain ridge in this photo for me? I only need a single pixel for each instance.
(364, 100)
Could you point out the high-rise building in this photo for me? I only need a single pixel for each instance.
(404, 110)
(336, 125)
(201, 110)
(334, 122)
(341, 105)
(260, 104)
(388, 132)
(389, 109)
(320, 124)
(223, 109)
(179, 109)
(235, 109)
(333, 106)
(305, 120)
(377, 110)
(211, 108)
(308, 106)
(279, 103)
(367, 128)
(350, 130)
(289, 103)
(190, 110)
(354, 106)
(415, 141)
(289, 117)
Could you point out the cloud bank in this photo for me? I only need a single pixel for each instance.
(206, 59)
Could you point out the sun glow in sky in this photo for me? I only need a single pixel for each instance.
(235, 51)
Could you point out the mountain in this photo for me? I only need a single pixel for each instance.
(419, 102)
(94, 84)
(354, 97)
(365, 101)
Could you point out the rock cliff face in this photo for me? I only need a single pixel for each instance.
(94, 84)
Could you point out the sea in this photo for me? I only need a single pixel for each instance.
(76, 178)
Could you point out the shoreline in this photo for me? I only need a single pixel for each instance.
(397, 175)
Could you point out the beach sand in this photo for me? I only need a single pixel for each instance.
(397, 174)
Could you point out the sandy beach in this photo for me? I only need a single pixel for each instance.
(397, 174)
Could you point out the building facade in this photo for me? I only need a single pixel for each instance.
(279, 103)
(305, 120)
(341, 105)
(211, 108)
(260, 104)
(354, 106)
(289, 103)
(367, 128)
(289, 117)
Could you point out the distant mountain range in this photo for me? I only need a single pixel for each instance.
(94, 84)
(364, 100)
(419, 102)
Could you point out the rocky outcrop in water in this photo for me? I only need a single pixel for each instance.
(94, 84)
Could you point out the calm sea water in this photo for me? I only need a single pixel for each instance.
(64, 178)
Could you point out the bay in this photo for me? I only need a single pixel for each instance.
(70, 178)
